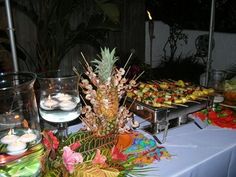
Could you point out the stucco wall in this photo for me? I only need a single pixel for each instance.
(223, 54)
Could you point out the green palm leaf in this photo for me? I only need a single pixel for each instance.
(94, 171)
(90, 143)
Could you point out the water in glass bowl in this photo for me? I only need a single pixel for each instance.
(60, 107)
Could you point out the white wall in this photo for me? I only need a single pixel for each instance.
(223, 55)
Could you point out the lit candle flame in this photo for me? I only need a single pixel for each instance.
(17, 116)
(29, 131)
(149, 15)
(49, 97)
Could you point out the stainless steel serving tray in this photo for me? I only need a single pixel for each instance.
(160, 117)
(153, 114)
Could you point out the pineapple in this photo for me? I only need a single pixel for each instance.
(107, 96)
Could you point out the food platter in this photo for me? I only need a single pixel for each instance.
(159, 115)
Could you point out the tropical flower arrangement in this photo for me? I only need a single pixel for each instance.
(106, 145)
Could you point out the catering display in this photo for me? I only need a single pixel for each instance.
(161, 101)
(106, 145)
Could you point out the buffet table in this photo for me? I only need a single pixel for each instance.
(209, 152)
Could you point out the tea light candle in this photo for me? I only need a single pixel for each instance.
(63, 97)
(67, 105)
(28, 137)
(135, 124)
(17, 147)
(48, 103)
(9, 138)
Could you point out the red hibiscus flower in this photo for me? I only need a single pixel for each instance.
(75, 146)
(50, 141)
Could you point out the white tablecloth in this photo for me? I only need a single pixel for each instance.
(209, 152)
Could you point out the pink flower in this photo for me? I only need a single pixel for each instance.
(71, 158)
(75, 146)
(99, 159)
(116, 154)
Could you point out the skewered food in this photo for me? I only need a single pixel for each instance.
(168, 93)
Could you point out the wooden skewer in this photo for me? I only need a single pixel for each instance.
(84, 59)
(82, 65)
(124, 100)
(156, 82)
(128, 59)
(139, 76)
(83, 100)
(84, 121)
(169, 106)
(178, 104)
(166, 106)
(76, 72)
(192, 101)
(201, 98)
(133, 77)
(127, 71)
(131, 104)
(171, 80)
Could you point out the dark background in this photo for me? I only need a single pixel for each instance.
(195, 14)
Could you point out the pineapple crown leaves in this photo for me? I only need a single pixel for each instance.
(105, 65)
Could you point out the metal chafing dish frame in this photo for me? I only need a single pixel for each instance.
(160, 117)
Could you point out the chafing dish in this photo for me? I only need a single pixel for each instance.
(160, 117)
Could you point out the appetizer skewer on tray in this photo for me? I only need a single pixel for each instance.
(169, 93)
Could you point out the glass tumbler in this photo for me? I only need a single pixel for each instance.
(217, 79)
(20, 133)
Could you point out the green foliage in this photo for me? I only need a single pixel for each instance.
(94, 171)
(187, 69)
(3, 148)
(90, 143)
(28, 165)
(61, 25)
(176, 35)
(105, 65)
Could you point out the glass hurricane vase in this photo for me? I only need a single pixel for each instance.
(59, 99)
(20, 135)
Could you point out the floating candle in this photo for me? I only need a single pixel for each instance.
(67, 105)
(9, 138)
(28, 137)
(16, 148)
(63, 97)
(48, 103)
(135, 124)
